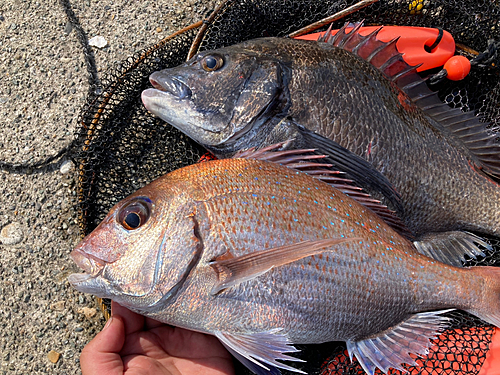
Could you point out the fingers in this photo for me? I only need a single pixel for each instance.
(100, 356)
(165, 341)
(151, 323)
(142, 365)
(145, 343)
(133, 322)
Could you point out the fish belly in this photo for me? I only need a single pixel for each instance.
(343, 297)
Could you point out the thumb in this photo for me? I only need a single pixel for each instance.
(101, 355)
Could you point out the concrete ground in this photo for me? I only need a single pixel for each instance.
(44, 323)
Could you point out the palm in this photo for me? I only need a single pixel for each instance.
(177, 350)
(143, 346)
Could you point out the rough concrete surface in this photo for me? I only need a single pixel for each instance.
(44, 323)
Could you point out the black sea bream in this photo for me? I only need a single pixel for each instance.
(351, 91)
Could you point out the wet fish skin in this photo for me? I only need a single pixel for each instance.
(337, 95)
(205, 218)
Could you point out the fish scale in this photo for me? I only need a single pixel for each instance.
(438, 199)
(264, 257)
(443, 163)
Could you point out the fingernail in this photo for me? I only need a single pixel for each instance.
(108, 323)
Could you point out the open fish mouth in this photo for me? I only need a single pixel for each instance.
(170, 84)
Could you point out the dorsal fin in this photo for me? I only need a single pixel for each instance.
(306, 162)
(464, 126)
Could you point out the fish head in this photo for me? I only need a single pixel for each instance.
(219, 95)
(139, 253)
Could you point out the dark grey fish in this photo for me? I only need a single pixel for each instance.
(361, 96)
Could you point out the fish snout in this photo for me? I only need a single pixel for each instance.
(172, 85)
(94, 252)
(87, 262)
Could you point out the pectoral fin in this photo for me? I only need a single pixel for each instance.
(392, 347)
(246, 267)
(259, 351)
(362, 172)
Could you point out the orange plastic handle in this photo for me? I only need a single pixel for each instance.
(412, 43)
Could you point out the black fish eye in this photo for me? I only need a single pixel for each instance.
(211, 63)
(135, 214)
(133, 220)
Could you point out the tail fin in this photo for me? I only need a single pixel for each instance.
(488, 308)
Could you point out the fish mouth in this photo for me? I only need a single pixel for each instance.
(92, 265)
(79, 278)
(181, 114)
(172, 85)
(93, 268)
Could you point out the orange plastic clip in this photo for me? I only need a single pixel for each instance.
(415, 43)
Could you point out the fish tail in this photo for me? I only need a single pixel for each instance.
(488, 306)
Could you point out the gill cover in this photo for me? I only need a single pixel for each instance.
(217, 96)
(151, 262)
(258, 99)
(177, 250)
(180, 251)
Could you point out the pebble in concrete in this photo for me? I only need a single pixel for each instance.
(11, 234)
(53, 356)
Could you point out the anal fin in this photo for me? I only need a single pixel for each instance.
(451, 247)
(259, 351)
(392, 347)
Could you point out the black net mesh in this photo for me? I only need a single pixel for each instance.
(124, 147)
(456, 352)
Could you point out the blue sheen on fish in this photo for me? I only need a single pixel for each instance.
(265, 257)
(352, 91)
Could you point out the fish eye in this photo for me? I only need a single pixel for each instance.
(211, 63)
(134, 214)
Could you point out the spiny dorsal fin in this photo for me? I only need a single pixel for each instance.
(304, 161)
(464, 126)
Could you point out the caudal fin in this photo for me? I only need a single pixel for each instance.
(488, 308)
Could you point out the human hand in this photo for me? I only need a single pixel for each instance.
(131, 344)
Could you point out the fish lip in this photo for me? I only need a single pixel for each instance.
(92, 266)
(78, 278)
(172, 85)
(89, 263)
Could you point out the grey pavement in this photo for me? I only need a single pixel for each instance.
(44, 323)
